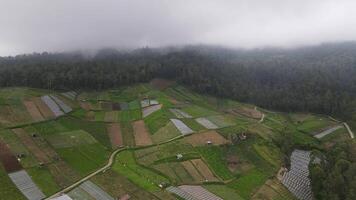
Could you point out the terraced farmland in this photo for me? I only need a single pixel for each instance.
(172, 143)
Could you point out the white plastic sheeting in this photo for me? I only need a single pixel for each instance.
(52, 105)
(61, 104)
(184, 129)
(297, 178)
(179, 113)
(25, 184)
(206, 123)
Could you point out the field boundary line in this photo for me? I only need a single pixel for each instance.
(107, 166)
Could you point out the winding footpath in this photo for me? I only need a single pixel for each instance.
(74, 185)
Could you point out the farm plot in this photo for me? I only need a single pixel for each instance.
(151, 109)
(71, 95)
(179, 113)
(125, 164)
(8, 160)
(183, 129)
(115, 136)
(273, 189)
(142, 137)
(209, 137)
(25, 184)
(78, 193)
(105, 105)
(86, 105)
(111, 116)
(313, 124)
(17, 148)
(44, 109)
(328, 131)
(42, 177)
(84, 158)
(33, 110)
(62, 173)
(204, 170)
(62, 105)
(206, 123)
(247, 112)
(117, 185)
(193, 192)
(95, 191)
(297, 178)
(7, 189)
(52, 105)
(197, 111)
(220, 121)
(193, 171)
(165, 133)
(223, 191)
(31, 145)
(174, 171)
(125, 106)
(70, 139)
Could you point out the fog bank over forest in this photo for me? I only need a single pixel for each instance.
(66, 25)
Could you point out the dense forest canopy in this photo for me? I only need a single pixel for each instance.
(320, 79)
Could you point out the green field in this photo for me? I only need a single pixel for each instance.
(84, 158)
(244, 167)
(216, 158)
(43, 179)
(125, 164)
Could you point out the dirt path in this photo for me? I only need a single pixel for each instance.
(263, 116)
(107, 166)
(349, 130)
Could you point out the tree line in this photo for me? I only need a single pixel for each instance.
(319, 79)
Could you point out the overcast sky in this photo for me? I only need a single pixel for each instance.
(63, 25)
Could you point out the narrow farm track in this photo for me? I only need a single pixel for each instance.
(107, 166)
(263, 116)
(349, 130)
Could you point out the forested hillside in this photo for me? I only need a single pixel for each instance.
(320, 79)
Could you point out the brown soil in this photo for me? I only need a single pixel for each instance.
(200, 139)
(106, 105)
(115, 136)
(46, 112)
(161, 84)
(31, 145)
(192, 171)
(204, 170)
(33, 110)
(9, 161)
(116, 106)
(232, 162)
(86, 105)
(142, 137)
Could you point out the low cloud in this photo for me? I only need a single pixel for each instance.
(65, 25)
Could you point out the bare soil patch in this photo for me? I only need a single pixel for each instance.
(33, 110)
(116, 106)
(115, 136)
(86, 105)
(9, 161)
(200, 139)
(142, 137)
(204, 170)
(192, 171)
(161, 84)
(46, 112)
(31, 145)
